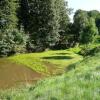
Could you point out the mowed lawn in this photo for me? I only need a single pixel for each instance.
(49, 62)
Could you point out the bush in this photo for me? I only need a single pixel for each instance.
(89, 51)
(33, 48)
(10, 41)
(6, 44)
(20, 40)
(97, 40)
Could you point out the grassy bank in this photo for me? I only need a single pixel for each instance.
(50, 62)
(29, 68)
(80, 82)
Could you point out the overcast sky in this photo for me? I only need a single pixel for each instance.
(84, 4)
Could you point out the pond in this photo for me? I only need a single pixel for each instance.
(12, 74)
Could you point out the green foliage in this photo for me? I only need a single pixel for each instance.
(97, 40)
(89, 51)
(75, 49)
(10, 37)
(98, 23)
(45, 21)
(8, 18)
(63, 13)
(10, 41)
(46, 24)
(23, 15)
(80, 23)
(85, 27)
(96, 15)
(6, 43)
(80, 19)
(89, 32)
(20, 40)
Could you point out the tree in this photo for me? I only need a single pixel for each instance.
(98, 23)
(47, 20)
(10, 37)
(8, 18)
(43, 27)
(89, 32)
(63, 13)
(44, 21)
(93, 13)
(80, 21)
(12, 42)
(96, 15)
(85, 26)
(23, 14)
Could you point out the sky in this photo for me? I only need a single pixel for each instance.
(84, 5)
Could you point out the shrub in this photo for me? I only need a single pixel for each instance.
(97, 40)
(89, 51)
(20, 40)
(10, 41)
(31, 46)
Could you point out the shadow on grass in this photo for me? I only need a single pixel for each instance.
(62, 53)
(70, 67)
(58, 57)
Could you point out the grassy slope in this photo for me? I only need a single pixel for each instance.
(54, 61)
(81, 83)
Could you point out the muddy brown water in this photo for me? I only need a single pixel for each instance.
(12, 74)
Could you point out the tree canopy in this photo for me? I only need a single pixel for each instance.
(35, 25)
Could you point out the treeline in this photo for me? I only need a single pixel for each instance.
(35, 25)
(86, 26)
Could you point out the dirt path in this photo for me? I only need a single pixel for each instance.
(12, 74)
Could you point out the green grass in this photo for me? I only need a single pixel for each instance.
(81, 82)
(43, 62)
